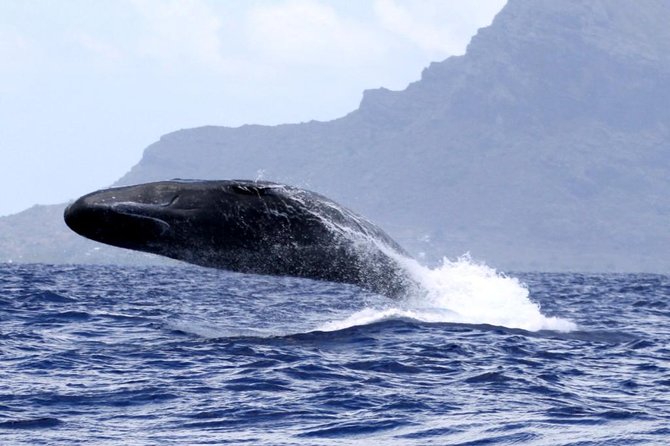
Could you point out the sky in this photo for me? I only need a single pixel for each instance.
(86, 86)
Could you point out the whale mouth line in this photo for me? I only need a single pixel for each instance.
(127, 210)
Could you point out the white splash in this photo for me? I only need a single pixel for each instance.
(462, 291)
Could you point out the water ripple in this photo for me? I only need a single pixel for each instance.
(182, 355)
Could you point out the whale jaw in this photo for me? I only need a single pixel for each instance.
(126, 225)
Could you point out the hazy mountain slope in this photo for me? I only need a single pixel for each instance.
(546, 146)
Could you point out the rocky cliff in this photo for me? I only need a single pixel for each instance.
(545, 147)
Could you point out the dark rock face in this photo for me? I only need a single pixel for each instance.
(546, 146)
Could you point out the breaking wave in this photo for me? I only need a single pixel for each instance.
(461, 291)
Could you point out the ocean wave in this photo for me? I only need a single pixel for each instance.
(463, 292)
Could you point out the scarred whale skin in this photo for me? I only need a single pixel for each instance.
(253, 227)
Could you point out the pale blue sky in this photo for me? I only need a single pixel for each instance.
(85, 86)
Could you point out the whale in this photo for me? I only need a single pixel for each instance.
(253, 227)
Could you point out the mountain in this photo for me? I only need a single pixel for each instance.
(545, 147)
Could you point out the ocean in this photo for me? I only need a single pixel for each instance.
(194, 356)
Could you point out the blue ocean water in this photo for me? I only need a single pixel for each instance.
(186, 355)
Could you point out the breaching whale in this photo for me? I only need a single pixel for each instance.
(253, 227)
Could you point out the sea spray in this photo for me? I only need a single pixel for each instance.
(461, 291)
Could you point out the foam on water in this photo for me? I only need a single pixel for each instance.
(461, 291)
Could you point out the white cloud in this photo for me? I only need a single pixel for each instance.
(16, 50)
(310, 32)
(437, 27)
(104, 53)
(178, 32)
(19, 61)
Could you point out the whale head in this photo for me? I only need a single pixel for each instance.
(195, 221)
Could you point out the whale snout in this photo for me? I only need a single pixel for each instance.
(126, 225)
(84, 218)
